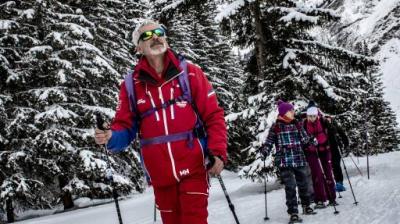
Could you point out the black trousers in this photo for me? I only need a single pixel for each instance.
(293, 177)
(337, 169)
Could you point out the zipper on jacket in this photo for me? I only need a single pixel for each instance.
(166, 133)
(153, 105)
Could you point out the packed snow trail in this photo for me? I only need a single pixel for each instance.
(379, 201)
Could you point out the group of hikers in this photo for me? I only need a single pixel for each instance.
(170, 104)
(311, 143)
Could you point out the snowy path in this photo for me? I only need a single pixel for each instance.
(379, 201)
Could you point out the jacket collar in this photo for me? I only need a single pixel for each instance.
(294, 121)
(145, 73)
(285, 119)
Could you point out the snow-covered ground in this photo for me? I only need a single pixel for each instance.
(378, 197)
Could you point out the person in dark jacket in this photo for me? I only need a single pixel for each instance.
(289, 137)
(338, 141)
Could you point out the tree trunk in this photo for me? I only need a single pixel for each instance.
(66, 196)
(10, 211)
(260, 38)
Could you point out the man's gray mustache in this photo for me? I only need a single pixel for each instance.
(157, 43)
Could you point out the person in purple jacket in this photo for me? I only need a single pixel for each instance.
(289, 138)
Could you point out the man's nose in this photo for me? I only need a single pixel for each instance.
(154, 36)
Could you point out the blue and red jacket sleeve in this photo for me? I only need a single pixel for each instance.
(210, 112)
(124, 127)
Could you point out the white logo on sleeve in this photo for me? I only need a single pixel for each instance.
(184, 172)
(181, 104)
(141, 101)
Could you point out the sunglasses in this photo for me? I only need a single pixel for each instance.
(147, 35)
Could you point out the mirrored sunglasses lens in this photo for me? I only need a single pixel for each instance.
(146, 35)
(159, 32)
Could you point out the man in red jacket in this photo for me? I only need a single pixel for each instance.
(177, 167)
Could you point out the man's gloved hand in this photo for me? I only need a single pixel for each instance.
(214, 164)
(102, 136)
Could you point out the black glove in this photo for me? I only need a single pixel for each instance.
(210, 161)
(313, 141)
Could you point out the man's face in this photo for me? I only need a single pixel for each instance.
(312, 118)
(154, 46)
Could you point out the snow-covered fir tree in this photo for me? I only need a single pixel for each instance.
(380, 130)
(65, 61)
(288, 63)
(192, 30)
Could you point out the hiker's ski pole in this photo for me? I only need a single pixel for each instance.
(231, 206)
(347, 175)
(359, 171)
(265, 193)
(109, 174)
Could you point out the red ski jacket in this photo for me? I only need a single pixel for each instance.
(167, 163)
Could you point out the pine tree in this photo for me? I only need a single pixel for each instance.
(65, 63)
(20, 185)
(379, 120)
(194, 32)
(288, 63)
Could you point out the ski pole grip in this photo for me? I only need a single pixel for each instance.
(100, 122)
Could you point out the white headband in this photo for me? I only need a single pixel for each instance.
(312, 111)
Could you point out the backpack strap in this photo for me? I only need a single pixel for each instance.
(187, 95)
(198, 131)
(184, 81)
(131, 91)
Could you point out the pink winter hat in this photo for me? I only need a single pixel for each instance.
(284, 107)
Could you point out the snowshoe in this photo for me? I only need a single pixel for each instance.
(307, 210)
(333, 203)
(295, 218)
(339, 187)
(319, 205)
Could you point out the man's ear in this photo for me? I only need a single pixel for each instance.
(139, 49)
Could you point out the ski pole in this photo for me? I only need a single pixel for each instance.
(109, 174)
(366, 135)
(326, 184)
(355, 165)
(347, 175)
(231, 206)
(155, 212)
(265, 193)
